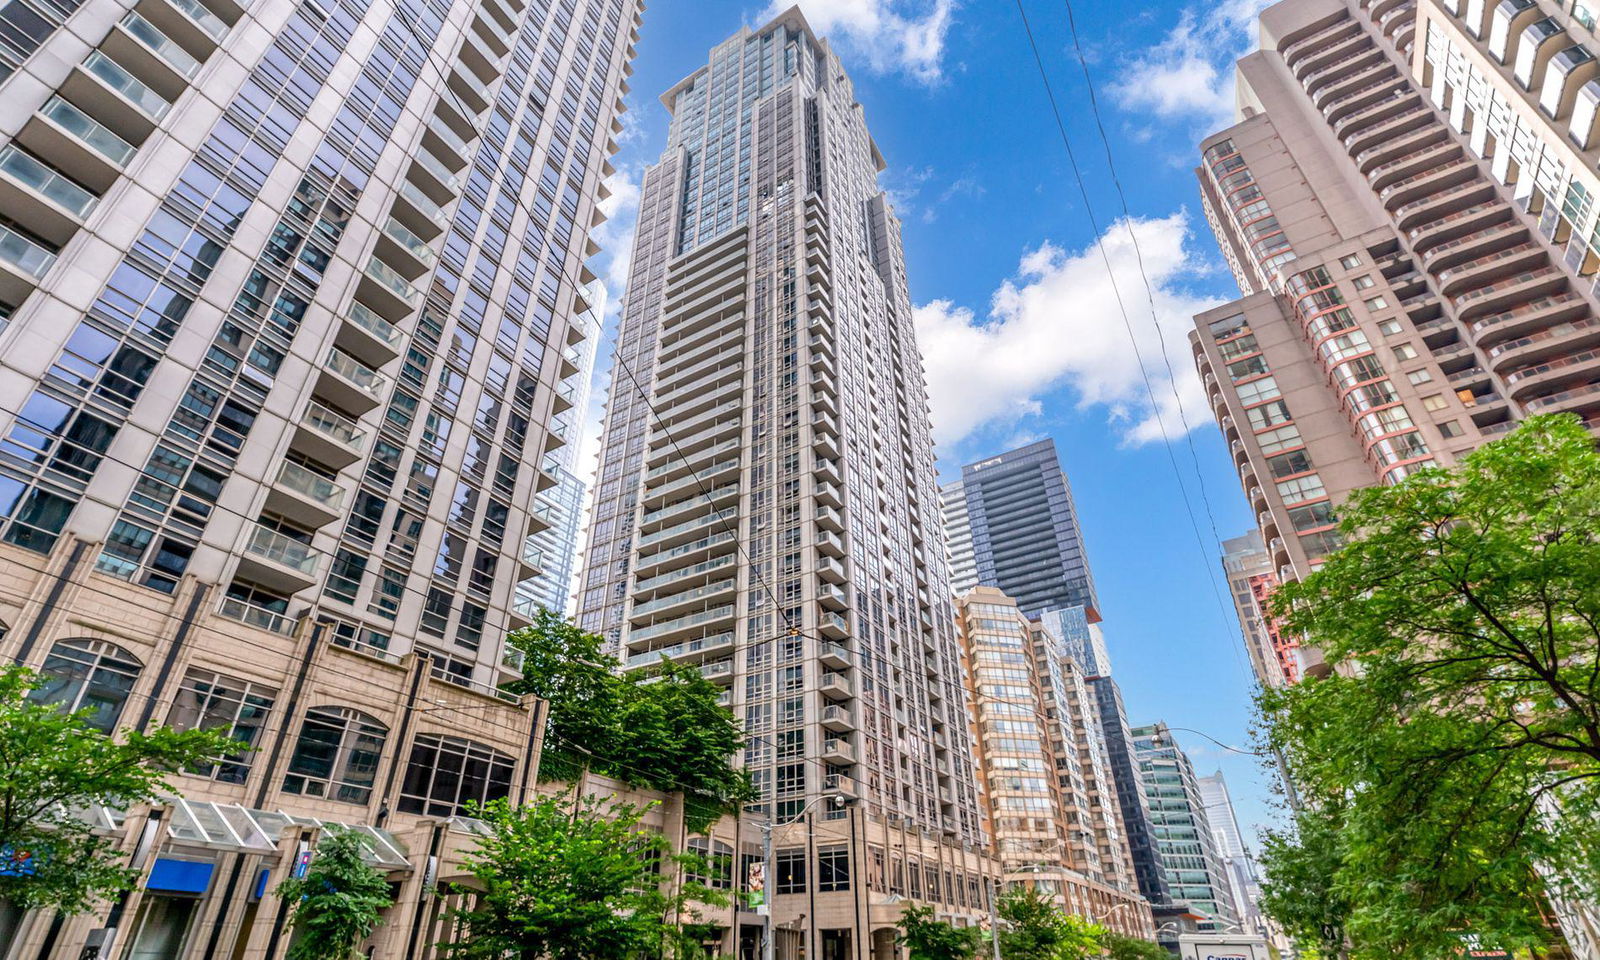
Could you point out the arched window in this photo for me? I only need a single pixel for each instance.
(88, 674)
(447, 772)
(336, 755)
(718, 856)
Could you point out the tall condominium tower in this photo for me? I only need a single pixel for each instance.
(1051, 800)
(1011, 524)
(1183, 835)
(766, 504)
(1408, 209)
(1251, 582)
(288, 293)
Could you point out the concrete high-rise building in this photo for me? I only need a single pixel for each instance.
(1409, 226)
(289, 293)
(1189, 849)
(1051, 802)
(1012, 525)
(766, 505)
(1149, 870)
(1251, 582)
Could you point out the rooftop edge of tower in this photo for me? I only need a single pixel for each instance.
(791, 17)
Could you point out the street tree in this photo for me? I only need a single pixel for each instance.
(1033, 927)
(926, 937)
(53, 765)
(660, 728)
(339, 901)
(568, 879)
(1452, 757)
(1119, 947)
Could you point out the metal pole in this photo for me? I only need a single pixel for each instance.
(994, 918)
(768, 885)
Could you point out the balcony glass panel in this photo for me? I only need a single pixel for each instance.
(334, 426)
(285, 551)
(386, 275)
(160, 44)
(434, 166)
(109, 72)
(422, 202)
(354, 370)
(364, 318)
(46, 182)
(413, 243)
(292, 476)
(87, 130)
(23, 254)
(248, 613)
(213, 25)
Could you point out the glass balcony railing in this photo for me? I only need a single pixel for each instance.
(109, 72)
(392, 281)
(23, 254)
(312, 486)
(285, 551)
(443, 132)
(532, 555)
(213, 25)
(46, 182)
(353, 370)
(340, 429)
(362, 316)
(413, 244)
(161, 45)
(422, 202)
(248, 613)
(696, 645)
(436, 167)
(87, 131)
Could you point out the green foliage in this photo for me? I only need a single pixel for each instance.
(928, 938)
(1457, 744)
(661, 729)
(52, 763)
(578, 880)
(1119, 947)
(338, 902)
(1032, 927)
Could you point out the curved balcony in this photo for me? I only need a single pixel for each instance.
(1357, 100)
(1512, 291)
(1584, 398)
(1458, 224)
(1559, 373)
(1452, 199)
(1417, 161)
(1400, 145)
(1390, 23)
(1389, 127)
(1553, 342)
(1427, 182)
(1321, 50)
(1402, 102)
(1490, 267)
(1323, 82)
(1472, 245)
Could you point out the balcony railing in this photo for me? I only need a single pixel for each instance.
(111, 73)
(696, 645)
(393, 281)
(248, 613)
(163, 46)
(312, 486)
(46, 182)
(25, 256)
(698, 593)
(412, 243)
(283, 550)
(338, 428)
(704, 567)
(720, 517)
(86, 130)
(359, 374)
(362, 316)
(211, 24)
(424, 203)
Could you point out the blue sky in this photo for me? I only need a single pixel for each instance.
(1017, 314)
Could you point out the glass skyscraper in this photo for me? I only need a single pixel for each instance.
(288, 348)
(1011, 524)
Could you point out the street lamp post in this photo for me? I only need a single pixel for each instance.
(769, 879)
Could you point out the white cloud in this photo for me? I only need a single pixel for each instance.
(890, 36)
(1189, 74)
(1056, 324)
